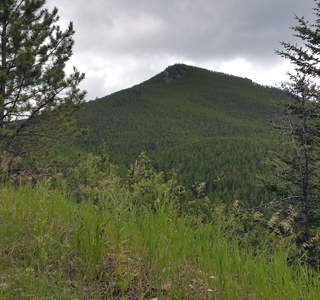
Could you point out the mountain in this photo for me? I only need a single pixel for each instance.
(212, 126)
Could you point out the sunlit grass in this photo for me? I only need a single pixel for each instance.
(53, 247)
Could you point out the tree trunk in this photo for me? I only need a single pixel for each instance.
(305, 175)
(4, 69)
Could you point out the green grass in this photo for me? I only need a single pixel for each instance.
(54, 248)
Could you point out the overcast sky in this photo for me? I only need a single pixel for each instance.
(120, 43)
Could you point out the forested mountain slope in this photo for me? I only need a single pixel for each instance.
(202, 122)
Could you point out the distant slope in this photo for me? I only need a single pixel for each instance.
(206, 121)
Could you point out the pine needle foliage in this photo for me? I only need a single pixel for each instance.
(298, 124)
(37, 97)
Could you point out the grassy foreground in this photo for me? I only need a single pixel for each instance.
(54, 248)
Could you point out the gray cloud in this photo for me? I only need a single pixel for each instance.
(124, 42)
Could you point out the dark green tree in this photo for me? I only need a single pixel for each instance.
(37, 97)
(298, 123)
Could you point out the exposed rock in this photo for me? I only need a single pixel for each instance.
(174, 72)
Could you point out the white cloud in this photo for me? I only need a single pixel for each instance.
(265, 76)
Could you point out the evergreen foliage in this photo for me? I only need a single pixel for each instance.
(298, 123)
(90, 233)
(191, 119)
(37, 98)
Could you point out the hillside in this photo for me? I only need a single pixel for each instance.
(202, 122)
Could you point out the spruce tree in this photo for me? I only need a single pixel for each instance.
(37, 98)
(298, 123)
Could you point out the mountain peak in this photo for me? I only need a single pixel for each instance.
(174, 72)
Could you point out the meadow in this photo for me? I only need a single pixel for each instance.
(54, 247)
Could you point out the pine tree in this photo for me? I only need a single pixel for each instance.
(298, 123)
(37, 98)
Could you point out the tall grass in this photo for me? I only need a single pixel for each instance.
(53, 247)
